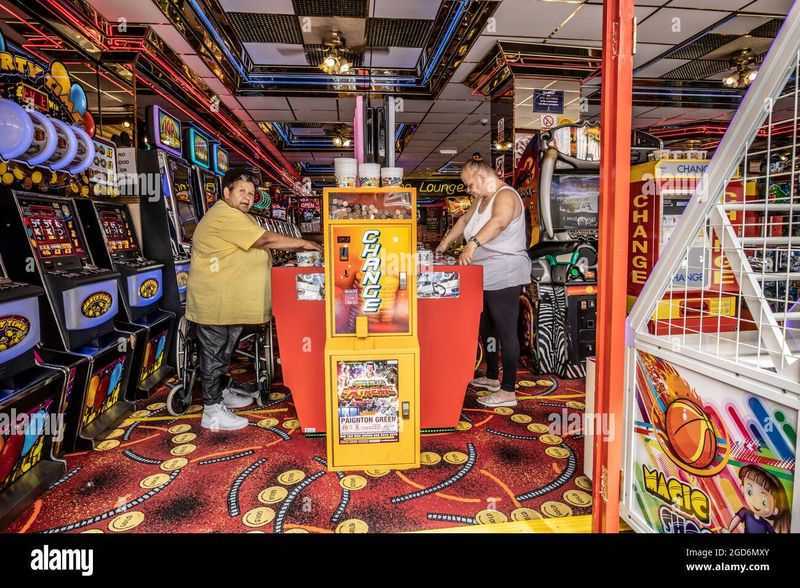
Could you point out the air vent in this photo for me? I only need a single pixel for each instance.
(266, 28)
(397, 32)
(699, 69)
(351, 8)
(701, 46)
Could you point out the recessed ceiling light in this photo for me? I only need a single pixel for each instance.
(448, 151)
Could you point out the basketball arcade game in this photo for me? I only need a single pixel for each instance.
(371, 348)
(711, 406)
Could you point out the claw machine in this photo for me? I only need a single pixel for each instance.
(371, 348)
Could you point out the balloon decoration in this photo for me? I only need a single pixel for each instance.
(88, 123)
(78, 97)
(60, 74)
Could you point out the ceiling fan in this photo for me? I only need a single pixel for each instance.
(338, 57)
(744, 64)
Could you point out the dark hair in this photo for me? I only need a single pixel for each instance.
(772, 485)
(236, 174)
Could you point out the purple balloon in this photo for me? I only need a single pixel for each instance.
(16, 129)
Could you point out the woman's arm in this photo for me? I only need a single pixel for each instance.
(457, 231)
(270, 240)
(504, 208)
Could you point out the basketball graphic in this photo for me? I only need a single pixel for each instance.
(690, 433)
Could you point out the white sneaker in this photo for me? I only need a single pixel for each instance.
(232, 398)
(217, 417)
(499, 399)
(487, 383)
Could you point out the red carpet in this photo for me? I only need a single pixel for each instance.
(269, 477)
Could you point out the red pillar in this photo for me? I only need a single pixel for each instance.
(615, 128)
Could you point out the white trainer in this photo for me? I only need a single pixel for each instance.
(486, 383)
(217, 417)
(233, 399)
(499, 399)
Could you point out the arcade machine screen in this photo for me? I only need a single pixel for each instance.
(574, 202)
(119, 235)
(210, 187)
(52, 229)
(181, 184)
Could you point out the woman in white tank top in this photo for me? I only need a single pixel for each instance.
(494, 228)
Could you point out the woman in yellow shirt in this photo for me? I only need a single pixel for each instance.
(229, 287)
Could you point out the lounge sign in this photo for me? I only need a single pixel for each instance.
(437, 187)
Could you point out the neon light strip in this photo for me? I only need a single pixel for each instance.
(56, 41)
(434, 63)
(210, 27)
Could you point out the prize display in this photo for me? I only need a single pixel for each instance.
(371, 350)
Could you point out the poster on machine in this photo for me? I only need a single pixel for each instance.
(368, 401)
(709, 457)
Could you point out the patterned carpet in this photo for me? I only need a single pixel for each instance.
(161, 474)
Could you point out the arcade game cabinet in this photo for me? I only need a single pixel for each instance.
(30, 394)
(112, 240)
(169, 218)
(43, 244)
(205, 185)
(565, 259)
(220, 165)
(372, 373)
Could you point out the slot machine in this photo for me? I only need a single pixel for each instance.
(220, 164)
(112, 240)
(169, 217)
(45, 151)
(28, 391)
(198, 153)
(45, 245)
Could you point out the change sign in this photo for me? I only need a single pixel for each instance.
(548, 101)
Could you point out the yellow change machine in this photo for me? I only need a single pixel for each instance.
(371, 345)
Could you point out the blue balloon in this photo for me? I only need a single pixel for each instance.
(2, 43)
(78, 97)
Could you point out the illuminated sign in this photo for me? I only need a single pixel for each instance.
(371, 282)
(220, 159)
(13, 330)
(166, 130)
(97, 304)
(199, 148)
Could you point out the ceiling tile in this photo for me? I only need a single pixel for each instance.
(396, 57)
(531, 18)
(457, 91)
(312, 103)
(264, 102)
(647, 52)
(455, 106)
(405, 8)
(770, 6)
(276, 53)
(272, 115)
(659, 68)
(442, 117)
(138, 12)
(672, 25)
(409, 105)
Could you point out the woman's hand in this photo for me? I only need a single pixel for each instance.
(311, 246)
(466, 254)
(442, 248)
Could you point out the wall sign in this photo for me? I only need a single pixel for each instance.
(548, 101)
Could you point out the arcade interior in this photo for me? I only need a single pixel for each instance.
(653, 145)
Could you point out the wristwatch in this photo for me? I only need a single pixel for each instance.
(475, 240)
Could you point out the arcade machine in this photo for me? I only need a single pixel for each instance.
(43, 243)
(169, 218)
(660, 191)
(112, 240)
(372, 374)
(565, 259)
(205, 185)
(28, 391)
(220, 164)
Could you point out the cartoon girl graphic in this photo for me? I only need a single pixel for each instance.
(765, 501)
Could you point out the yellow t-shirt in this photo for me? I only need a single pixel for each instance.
(229, 279)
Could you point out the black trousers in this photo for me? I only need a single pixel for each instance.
(499, 331)
(216, 346)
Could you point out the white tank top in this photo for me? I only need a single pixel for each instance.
(505, 258)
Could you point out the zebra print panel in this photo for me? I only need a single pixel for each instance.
(552, 337)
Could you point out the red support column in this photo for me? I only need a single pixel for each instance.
(615, 128)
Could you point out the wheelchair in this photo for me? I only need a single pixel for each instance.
(255, 344)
